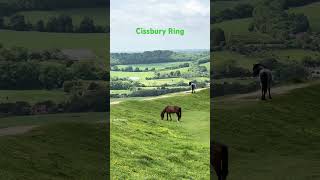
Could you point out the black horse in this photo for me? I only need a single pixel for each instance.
(265, 77)
(219, 159)
(193, 87)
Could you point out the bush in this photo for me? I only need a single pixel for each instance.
(18, 108)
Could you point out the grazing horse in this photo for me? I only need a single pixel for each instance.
(265, 77)
(171, 109)
(219, 159)
(193, 87)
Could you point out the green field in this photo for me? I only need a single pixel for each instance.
(32, 96)
(99, 15)
(275, 139)
(44, 40)
(312, 12)
(145, 147)
(284, 55)
(168, 74)
(64, 146)
(241, 33)
(157, 66)
(218, 6)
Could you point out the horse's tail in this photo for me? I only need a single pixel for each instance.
(180, 113)
(225, 159)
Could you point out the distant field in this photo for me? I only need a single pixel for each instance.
(32, 96)
(157, 66)
(99, 15)
(312, 12)
(241, 32)
(234, 80)
(285, 55)
(43, 40)
(139, 75)
(218, 6)
(222, 57)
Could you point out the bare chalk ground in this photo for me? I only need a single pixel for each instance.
(16, 130)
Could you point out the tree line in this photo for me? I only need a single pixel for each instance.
(243, 10)
(46, 69)
(11, 7)
(60, 24)
(148, 57)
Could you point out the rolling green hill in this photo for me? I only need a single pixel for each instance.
(64, 146)
(312, 12)
(145, 147)
(274, 139)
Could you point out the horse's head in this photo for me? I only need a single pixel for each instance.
(256, 69)
(162, 115)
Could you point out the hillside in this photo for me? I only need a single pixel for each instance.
(274, 139)
(144, 146)
(64, 146)
(312, 12)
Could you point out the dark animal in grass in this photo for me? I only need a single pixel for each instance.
(170, 110)
(219, 159)
(193, 87)
(265, 77)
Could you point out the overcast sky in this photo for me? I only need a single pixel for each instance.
(191, 15)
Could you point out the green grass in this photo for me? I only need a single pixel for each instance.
(157, 66)
(43, 40)
(234, 80)
(145, 147)
(65, 146)
(221, 57)
(241, 33)
(99, 15)
(140, 75)
(51, 118)
(32, 96)
(283, 55)
(312, 12)
(277, 139)
(218, 6)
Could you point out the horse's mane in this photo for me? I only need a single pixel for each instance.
(256, 68)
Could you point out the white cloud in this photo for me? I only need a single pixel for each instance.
(126, 15)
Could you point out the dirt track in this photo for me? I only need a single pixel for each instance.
(256, 95)
(16, 130)
(162, 96)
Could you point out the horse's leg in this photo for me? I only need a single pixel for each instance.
(170, 117)
(167, 116)
(178, 115)
(269, 93)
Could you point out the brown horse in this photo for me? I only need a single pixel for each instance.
(219, 159)
(171, 109)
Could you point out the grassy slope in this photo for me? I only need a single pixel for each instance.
(99, 15)
(143, 146)
(312, 12)
(43, 40)
(69, 147)
(275, 139)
